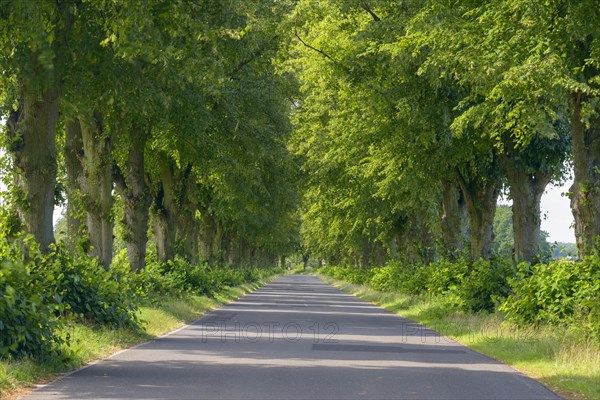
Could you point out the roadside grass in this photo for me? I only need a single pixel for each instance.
(559, 358)
(93, 342)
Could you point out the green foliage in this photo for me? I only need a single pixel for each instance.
(503, 231)
(483, 284)
(468, 285)
(561, 293)
(354, 275)
(178, 277)
(28, 317)
(42, 292)
(89, 291)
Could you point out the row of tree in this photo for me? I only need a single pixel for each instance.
(413, 117)
(409, 119)
(168, 114)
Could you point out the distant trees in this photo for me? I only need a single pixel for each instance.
(412, 117)
(375, 129)
(172, 112)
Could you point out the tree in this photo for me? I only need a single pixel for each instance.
(33, 41)
(536, 66)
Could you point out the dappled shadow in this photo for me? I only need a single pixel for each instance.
(299, 338)
(189, 380)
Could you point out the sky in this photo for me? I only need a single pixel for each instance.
(557, 218)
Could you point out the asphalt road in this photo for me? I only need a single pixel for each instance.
(298, 338)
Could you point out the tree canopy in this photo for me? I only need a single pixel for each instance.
(349, 131)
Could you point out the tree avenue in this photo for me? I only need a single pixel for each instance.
(217, 134)
(429, 109)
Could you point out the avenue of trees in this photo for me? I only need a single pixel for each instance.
(201, 137)
(136, 115)
(238, 131)
(414, 116)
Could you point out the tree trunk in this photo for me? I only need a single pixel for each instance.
(164, 220)
(454, 218)
(526, 190)
(217, 245)
(31, 129)
(235, 251)
(136, 199)
(365, 255)
(97, 188)
(207, 237)
(187, 234)
(480, 198)
(585, 191)
(187, 226)
(74, 167)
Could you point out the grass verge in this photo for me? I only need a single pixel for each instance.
(565, 363)
(90, 342)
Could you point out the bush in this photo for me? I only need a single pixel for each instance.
(93, 293)
(560, 292)
(472, 286)
(28, 319)
(401, 277)
(178, 277)
(39, 294)
(385, 279)
(485, 282)
(446, 276)
(355, 275)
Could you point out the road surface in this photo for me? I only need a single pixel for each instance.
(298, 338)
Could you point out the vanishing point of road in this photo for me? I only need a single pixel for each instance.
(297, 338)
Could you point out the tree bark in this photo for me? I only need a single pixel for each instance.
(526, 190)
(97, 187)
(480, 198)
(585, 191)
(454, 218)
(164, 219)
(74, 167)
(31, 129)
(187, 234)
(207, 237)
(235, 251)
(305, 258)
(187, 226)
(133, 189)
(217, 249)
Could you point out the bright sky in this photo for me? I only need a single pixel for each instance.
(557, 218)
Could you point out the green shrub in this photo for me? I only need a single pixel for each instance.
(178, 277)
(28, 318)
(385, 279)
(91, 292)
(472, 286)
(485, 282)
(39, 294)
(358, 276)
(445, 276)
(560, 292)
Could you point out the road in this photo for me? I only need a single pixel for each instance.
(298, 338)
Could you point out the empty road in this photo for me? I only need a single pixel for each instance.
(298, 338)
